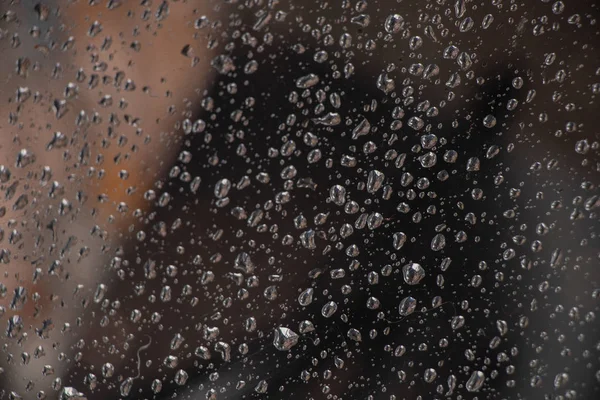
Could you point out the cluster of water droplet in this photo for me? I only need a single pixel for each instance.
(421, 203)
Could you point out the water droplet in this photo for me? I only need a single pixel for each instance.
(285, 339)
(413, 273)
(475, 381)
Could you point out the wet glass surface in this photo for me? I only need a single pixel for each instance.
(299, 199)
